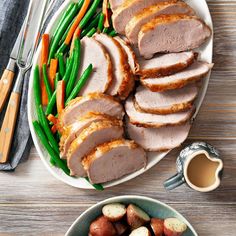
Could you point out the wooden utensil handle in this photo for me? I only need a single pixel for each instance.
(5, 86)
(8, 126)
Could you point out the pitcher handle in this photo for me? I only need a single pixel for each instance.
(174, 181)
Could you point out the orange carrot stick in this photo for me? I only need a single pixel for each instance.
(52, 72)
(54, 129)
(105, 11)
(77, 21)
(76, 35)
(60, 96)
(52, 119)
(44, 58)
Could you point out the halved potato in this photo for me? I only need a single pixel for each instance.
(102, 226)
(120, 227)
(114, 211)
(141, 231)
(174, 227)
(157, 226)
(136, 217)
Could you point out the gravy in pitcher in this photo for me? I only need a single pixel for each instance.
(201, 171)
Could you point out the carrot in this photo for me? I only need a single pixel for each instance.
(52, 119)
(60, 96)
(106, 13)
(52, 72)
(76, 35)
(54, 129)
(44, 58)
(77, 21)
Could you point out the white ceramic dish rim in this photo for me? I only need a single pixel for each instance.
(130, 198)
(153, 158)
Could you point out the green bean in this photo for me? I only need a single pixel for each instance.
(105, 30)
(113, 33)
(83, 79)
(62, 48)
(36, 86)
(61, 31)
(96, 186)
(52, 101)
(66, 32)
(75, 69)
(55, 157)
(89, 14)
(57, 78)
(101, 23)
(46, 82)
(62, 69)
(63, 18)
(91, 32)
(93, 24)
(47, 130)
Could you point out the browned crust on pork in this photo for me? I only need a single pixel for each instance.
(106, 147)
(165, 111)
(165, 71)
(136, 64)
(127, 84)
(92, 128)
(174, 85)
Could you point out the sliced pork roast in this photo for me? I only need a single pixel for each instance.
(101, 77)
(172, 33)
(71, 132)
(134, 66)
(94, 102)
(158, 139)
(153, 120)
(96, 134)
(165, 64)
(123, 81)
(163, 8)
(115, 3)
(195, 72)
(168, 102)
(111, 161)
(124, 13)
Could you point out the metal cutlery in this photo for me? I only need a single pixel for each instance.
(27, 47)
(9, 73)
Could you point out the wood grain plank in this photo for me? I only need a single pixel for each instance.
(54, 220)
(32, 183)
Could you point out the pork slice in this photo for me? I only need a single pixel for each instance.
(71, 132)
(172, 33)
(123, 81)
(158, 139)
(134, 66)
(168, 102)
(96, 134)
(124, 13)
(101, 77)
(144, 119)
(195, 72)
(165, 64)
(94, 102)
(115, 3)
(111, 161)
(163, 8)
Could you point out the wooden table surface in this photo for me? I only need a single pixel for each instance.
(33, 202)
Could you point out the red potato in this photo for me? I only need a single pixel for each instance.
(101, 227)
(141, 231)
(157, 226)
(136, 217)
(174, 227)
(114, 212)
(120, 227)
